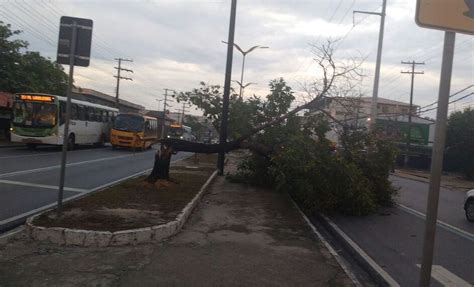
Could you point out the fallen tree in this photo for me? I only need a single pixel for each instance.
(254, 116)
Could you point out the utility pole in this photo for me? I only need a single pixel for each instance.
(410, 113)
(225, 100)
(184, 110)
(373, 116)
(119, 69)
(158, 108)
(165, 104)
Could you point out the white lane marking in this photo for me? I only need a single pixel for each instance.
(41, 185)
(442, 224)
(342, 262)
(362, 253)
(445, 277)
(44, 207)
(21, 172)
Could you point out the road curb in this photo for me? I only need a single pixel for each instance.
(88, 238)
(328, 246)
(380, 276)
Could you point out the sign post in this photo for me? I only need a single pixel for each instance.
(452, 17)
(74, 47)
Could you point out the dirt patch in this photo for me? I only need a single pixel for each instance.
(133, 203)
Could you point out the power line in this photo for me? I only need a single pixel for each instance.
(22, 24)
(454, 101)
(457, 93)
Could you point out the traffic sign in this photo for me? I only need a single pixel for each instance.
(448, 15)
(83, 40)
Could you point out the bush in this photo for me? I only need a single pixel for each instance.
(353, 181)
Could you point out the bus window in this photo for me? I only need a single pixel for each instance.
(62, 113)
(104, 116)
(96, 114)
(87, 113)
(73, 111)
(81, 113)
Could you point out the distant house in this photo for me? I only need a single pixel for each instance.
(392, 117)
(100, 98)
(357, 110)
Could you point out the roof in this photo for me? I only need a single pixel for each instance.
(387, 101)
(106, 97)
(89, 104)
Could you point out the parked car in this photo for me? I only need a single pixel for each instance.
(469, 205)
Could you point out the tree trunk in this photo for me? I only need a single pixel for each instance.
(161, 167)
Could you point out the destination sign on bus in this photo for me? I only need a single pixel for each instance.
(38, 98)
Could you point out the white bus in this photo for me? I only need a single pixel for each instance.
(179, 131)
(39, 119)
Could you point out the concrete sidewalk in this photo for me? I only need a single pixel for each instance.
(237, 236)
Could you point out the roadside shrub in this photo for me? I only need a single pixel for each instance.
(354, 181)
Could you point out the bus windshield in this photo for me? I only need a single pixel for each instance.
(34, 114)
(175, 131)
(130, 123)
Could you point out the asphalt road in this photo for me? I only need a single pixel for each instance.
(29, 179)
(394, 236)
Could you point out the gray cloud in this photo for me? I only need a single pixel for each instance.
(176, 44)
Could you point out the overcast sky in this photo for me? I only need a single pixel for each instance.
(176, 44)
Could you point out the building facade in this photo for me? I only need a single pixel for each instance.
(100, 98)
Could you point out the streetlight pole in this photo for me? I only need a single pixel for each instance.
(225, 97)
(244, 54)
(373, 115)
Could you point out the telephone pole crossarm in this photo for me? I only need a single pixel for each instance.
(118, 77)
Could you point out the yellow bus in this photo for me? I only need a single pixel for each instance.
(134, 131)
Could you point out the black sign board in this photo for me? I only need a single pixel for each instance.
(83, 40)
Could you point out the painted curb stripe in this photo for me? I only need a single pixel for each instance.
(444, 225)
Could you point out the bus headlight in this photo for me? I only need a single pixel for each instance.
(168, 136)
(181, 137)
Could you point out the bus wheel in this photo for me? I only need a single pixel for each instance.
(71, 142)
(31, 146)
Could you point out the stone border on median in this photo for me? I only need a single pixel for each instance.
(77, 237)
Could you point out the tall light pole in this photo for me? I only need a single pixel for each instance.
(244, 53)
(373, 115)
(243, 86)
(225, 96)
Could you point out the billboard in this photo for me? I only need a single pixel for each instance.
(398, 131)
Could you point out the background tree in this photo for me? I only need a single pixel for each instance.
(25, 71)
(460, 142)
